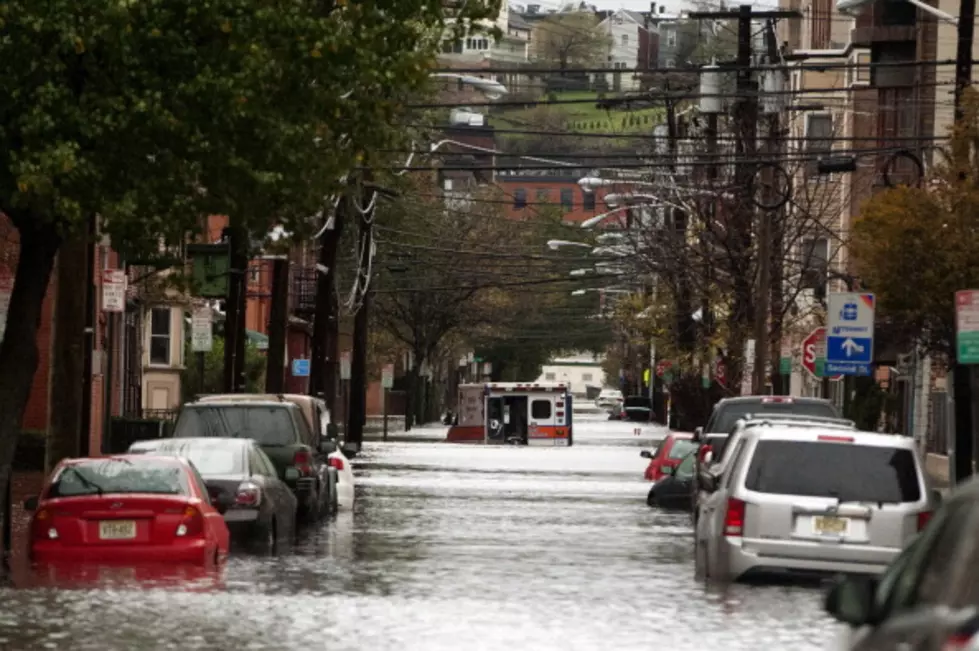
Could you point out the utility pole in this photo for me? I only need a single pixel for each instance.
(750, 304)
(278, 327)
(326, 322)
(234, 313)
(963, 378)
(357, 415)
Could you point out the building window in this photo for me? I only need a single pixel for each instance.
(586, 377)
(567, 199)
(625, 39)
(819, 140)
(815, 263)
(540, 409)
(543, 196)
(671, 38)
(550, 377)
(160, 335)
(519, 199)
(588, 201)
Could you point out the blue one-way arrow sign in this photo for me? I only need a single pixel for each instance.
(850, 334)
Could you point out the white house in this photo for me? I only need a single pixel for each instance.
(625, 30)
(579, 371)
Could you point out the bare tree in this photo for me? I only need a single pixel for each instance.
(570, 40)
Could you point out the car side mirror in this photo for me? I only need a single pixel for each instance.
(646, 454)
(327, 447)
(333, 432)
(30, 504)
(851, 600)
(698, 434)
(223, 502)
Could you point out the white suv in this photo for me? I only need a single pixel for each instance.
(797, 499)
(609, 398)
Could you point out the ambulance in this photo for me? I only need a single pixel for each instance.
(513, 413)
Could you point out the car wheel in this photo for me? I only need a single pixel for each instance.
(651, 497)
(270, 538)
(334, 495)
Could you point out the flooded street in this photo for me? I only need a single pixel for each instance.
(449, 547)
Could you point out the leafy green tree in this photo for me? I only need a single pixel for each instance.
(148, 115)
(214, 371)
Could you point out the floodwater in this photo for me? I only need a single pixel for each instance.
(448, 547)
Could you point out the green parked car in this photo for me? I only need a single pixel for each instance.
(283, 434)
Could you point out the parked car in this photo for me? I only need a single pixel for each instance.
(928, 599)
(264, 508)
(127, 508)
(617, 412)
(810, 500)
(320, 421)
(670, 453)
(729, 411)
(639, 408)
(283, 433)
(609, 398)
(673, 490)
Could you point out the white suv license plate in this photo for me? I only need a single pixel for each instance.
(830, 525)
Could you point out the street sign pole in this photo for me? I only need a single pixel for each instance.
(966, 357)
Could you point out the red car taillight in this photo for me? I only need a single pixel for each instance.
(43, 528)
(923, 518)
(304, 462)
(734, 517)
(336, 463)
(956, 642)
(249, 494)
(191, 524)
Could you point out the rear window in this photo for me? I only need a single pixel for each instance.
(119, 476)
(209, 459)
(842, 470)
(638, 402)
(731, 413)
(266, 425)
(681, 448)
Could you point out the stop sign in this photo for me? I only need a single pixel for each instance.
(813, 347)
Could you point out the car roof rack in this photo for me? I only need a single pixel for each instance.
(800, 420)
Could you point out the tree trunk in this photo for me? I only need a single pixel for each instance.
(67, 375)
(18, 352)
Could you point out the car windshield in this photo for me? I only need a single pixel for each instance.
(681, 448)
(266, 425)
(112, 475)
(731, 413)
(210, 458)
(848, 472)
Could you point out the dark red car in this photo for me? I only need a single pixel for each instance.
(130, 508)
(670, 453)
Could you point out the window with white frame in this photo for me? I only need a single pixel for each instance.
(586, 377)
(625, 39)
(814, 262)
(550, 376)
(819, 140)
(160, 336)
(671, 38)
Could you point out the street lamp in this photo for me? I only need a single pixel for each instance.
(554, 245)
(592, 183)
(613, 200)
(491, 88)
(592, 221)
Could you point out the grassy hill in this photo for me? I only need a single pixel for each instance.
(585, 117)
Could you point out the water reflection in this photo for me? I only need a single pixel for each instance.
(448, 546)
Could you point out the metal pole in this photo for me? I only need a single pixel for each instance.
(746, 119)
(8, 514)
(200, 373)
(278, 327)
(85, 431)
(386, 414)
(964, 394)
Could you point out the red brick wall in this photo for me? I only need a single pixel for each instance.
(553, 188)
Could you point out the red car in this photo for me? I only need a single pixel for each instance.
(670, 453)
(130, 508)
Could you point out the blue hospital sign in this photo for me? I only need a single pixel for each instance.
(850, 334)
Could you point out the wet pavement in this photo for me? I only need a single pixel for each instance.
(448, 547)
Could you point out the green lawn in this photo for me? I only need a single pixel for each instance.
(587, 117)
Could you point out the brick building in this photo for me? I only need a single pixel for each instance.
(527, 191)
